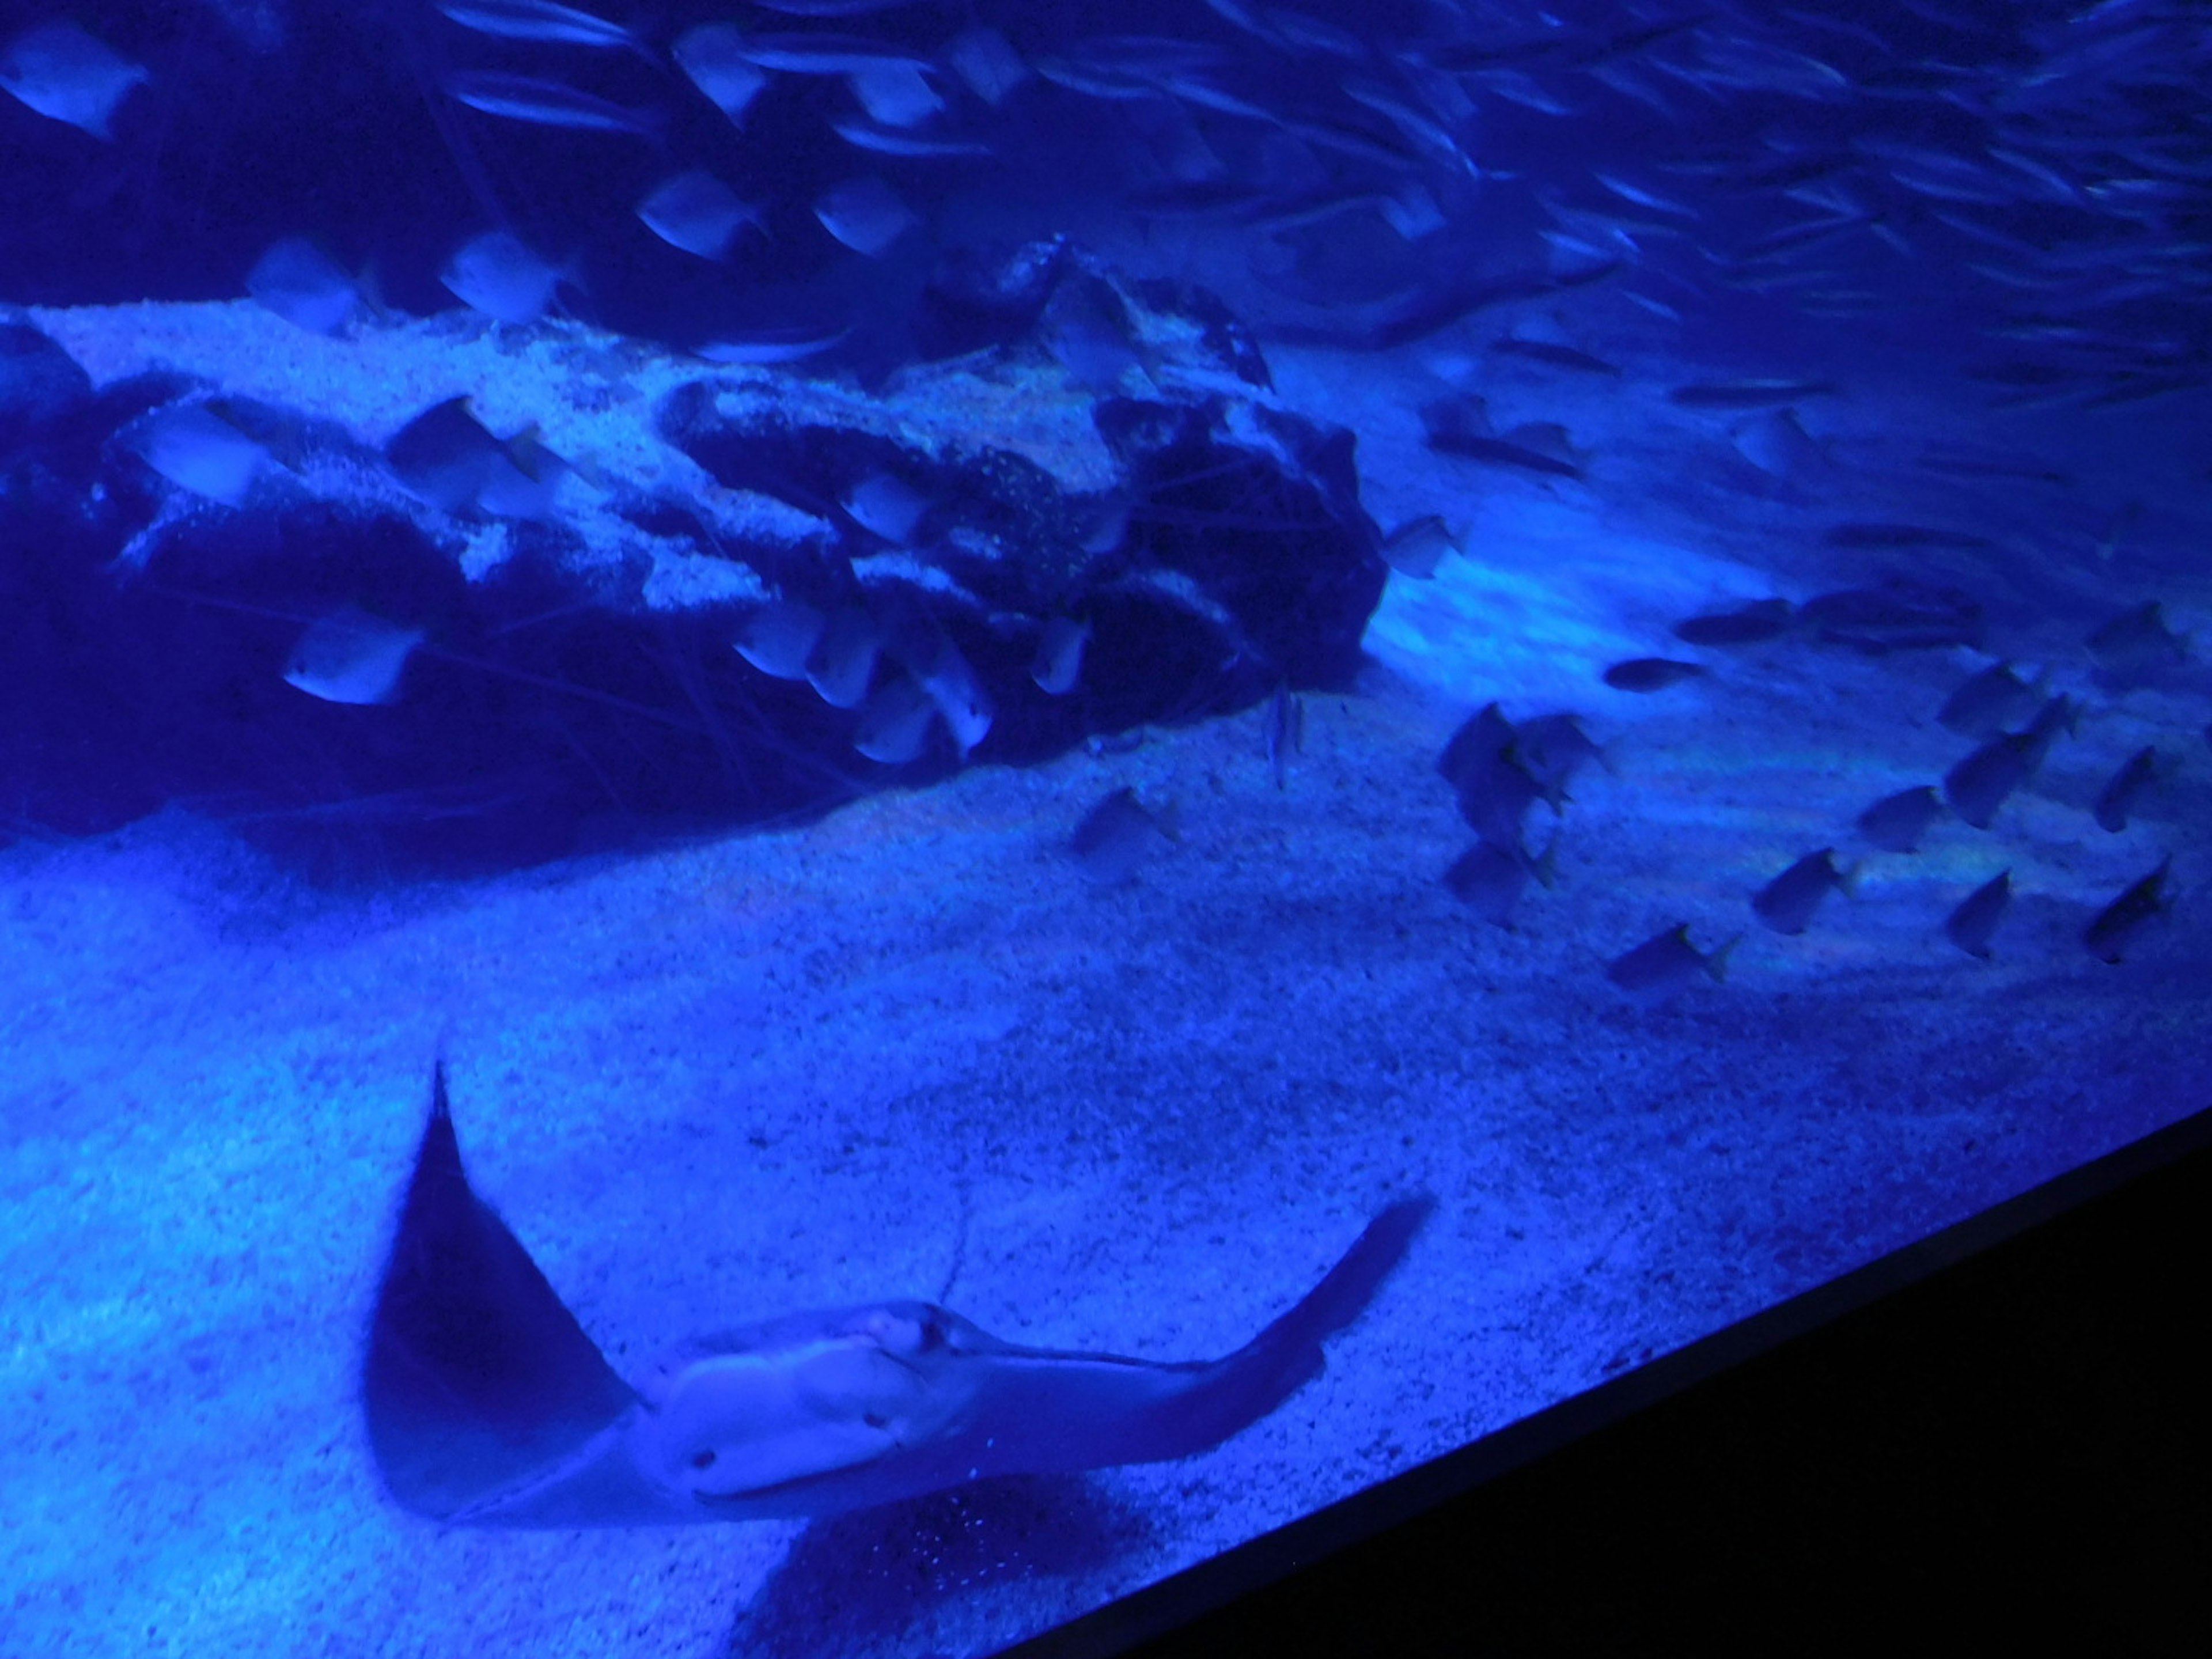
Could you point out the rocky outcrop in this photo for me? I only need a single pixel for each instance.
(444, 595)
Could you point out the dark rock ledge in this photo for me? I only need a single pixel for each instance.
(574, 683)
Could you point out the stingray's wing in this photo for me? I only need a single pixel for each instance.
(476, 1378)
(1041, 1412)
(1004, 1409)
(488, 1405)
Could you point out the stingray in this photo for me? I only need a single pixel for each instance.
(489, 1406)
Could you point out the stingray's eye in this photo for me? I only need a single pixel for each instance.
(703, 1458)
(875, 1420)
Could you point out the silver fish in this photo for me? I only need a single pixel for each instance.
(497, 274)
(193, 446)
(67, 76)
(698, 213)
(1417, 546)
(1787, 904)
(1896, 823)
(895, 94)
(444, 455)
(303, 285)
(885, 505)
(779, 639)
(1647, 674)
(2124, 788)
(1663, 966)
(1489, 879)
(895, 722)
(1114, 837)
(1749, 624)
(1987, 703)
(844, 661)
(1971, 924)
(2119, 924)
(808, 1415)
(865, 215)
(540, 20)
(1285, 732)
(351, 657)
(988, 62)
(2136, 646)
(547, 103)
(709, 56)
(1058, 665)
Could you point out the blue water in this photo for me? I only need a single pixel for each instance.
(670, 742)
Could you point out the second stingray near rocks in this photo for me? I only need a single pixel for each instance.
(488, 1405)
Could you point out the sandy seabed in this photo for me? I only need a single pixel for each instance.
(907, 1051)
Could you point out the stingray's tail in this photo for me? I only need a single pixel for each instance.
(476, 1373)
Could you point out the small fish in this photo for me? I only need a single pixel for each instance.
(1057, 665)
(547, 103)
(896, 95)
(1557, 356)
(1900, 615)
(1459, 424)
(1747, 393)
(1483, 737)
(1489, 879)
(1896, 823)
(1417, 546)
(522, 478)
(826, 54)
(1787, 903)
(303, 285)
(950, 683)
(895, 722)
(895, 140)
(865, 215)
(540, 20)
(1978, 784)
(64, 74)
(2125, 788)
(1989, 701)
(1750, 624)
(710, 56)
(886, 506)
(779, 639)
(2136, 646)
(775, 344)
(1113, 836)
(2059, 713)
(988, 62)
(1285, 732)
(1494, 797)
(1658, 970)
(444, 455)
(1776, 443)
(495, 273)
(1089, 333)
(1970, 925)
(194, 447)
(698, 213)
(844, 661)
(1650, 674)
(1551, 749)
(2119, 924)
(351, 657)
(1884, 534)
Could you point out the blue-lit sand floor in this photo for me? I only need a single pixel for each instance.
(906, 1045)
